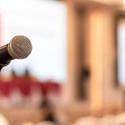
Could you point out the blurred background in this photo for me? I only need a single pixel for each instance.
(75, 74)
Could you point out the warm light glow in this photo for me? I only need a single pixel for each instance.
(123, 2)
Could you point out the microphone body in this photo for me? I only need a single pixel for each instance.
(5, 57)
(19, 48)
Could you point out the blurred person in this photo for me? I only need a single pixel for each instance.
(107, 120)
(27, 82)
(3, 120)
(27, 123)
(22, 82)
(47, 112)
(120, 119)
(35, 91)
(14, 77)
(51, 90)
(16, 97)
(36, 96)
(4, 101)
(89, 120)
(13, 73)
(27, 73)
(25, 89)
(45, 123)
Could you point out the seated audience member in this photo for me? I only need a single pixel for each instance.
(120, 119)
(3, 120)
(28, 123)
(45, 123)
(90, 120)
(108, 119)
(47, 112)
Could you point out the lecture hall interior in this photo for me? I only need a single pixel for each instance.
(75, 74)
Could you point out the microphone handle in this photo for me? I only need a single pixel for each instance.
(5, 57)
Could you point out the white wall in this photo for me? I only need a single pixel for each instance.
(44, 22)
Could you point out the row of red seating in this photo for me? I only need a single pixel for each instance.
(27, 84)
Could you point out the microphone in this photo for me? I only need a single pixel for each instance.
(19, 48)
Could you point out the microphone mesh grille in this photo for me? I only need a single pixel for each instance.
(19, 47)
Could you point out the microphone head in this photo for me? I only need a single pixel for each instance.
(19, 47)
